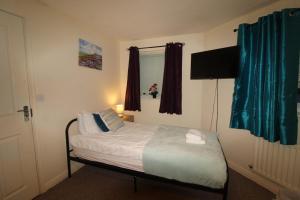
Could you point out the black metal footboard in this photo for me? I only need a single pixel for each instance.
(134, 173)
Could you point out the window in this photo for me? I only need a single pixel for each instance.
(151, 72)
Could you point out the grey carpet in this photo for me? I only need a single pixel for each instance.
(90, 183)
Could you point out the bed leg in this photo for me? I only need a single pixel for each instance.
(68, 151)
(69, 168)
(135, 185)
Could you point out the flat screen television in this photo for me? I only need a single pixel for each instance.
(215, 64)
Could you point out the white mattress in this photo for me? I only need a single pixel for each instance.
(123, 148)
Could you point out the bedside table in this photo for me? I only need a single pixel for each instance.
(128, 118)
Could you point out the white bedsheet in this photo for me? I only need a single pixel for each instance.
(123, 148)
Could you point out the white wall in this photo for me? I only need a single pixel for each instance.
(60, 88)
(191, 92)
(198, 94)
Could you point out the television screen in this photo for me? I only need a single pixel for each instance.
(213, 64)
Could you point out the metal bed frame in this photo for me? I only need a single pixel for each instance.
(136, 174)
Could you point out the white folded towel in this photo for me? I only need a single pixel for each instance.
(193, 141)
(195, 134)
(195, 137)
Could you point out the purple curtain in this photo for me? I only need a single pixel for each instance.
(171, 94)
(132, 97)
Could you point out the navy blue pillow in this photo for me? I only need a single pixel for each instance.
(100, 122)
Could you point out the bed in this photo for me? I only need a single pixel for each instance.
(153, 152)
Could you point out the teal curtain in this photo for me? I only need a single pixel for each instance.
(265, 91)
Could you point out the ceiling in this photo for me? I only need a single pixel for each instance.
(140, 19)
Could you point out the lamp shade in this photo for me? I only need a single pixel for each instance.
(120, 108)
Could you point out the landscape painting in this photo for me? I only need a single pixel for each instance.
(90, 55)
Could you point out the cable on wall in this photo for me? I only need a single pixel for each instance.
(216, 100)
(217, 117)
(213, 110)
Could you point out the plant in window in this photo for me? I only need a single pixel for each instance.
(153, 90)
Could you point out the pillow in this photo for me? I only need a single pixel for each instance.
(81, 125)
(87, 124)
(100, 123)
(111, 119)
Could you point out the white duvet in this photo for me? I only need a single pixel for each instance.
(122, 148)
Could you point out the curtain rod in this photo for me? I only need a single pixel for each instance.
(292, 13)
(155, 46)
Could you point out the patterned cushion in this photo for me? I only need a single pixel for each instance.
(111, 119)
(100, 123)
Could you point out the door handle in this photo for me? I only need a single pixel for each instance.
(26, 112)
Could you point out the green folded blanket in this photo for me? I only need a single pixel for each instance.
(168, 155)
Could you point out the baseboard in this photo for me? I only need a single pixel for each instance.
(59, 178)
(75, 166)
(264, 182)
(53, 181)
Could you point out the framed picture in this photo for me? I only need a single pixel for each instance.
(90, 55)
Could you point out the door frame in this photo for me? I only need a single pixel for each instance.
(31, 91)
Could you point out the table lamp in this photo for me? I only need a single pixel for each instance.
(120, 109)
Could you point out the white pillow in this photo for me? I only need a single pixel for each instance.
(87, 124)
(81, 127)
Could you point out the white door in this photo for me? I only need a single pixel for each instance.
(18, 175)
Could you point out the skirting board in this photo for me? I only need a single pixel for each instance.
(53, 181)
(59, 178)
(264, 182)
